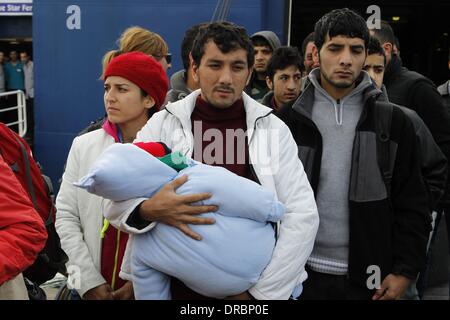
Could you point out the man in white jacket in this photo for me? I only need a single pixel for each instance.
(221, 125)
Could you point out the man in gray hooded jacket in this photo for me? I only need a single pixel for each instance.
(264, 44)
(374, 227)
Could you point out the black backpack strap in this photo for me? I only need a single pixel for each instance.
(50, 195)
(383, 119)
(26, 160)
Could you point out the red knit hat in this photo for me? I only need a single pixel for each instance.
(143, 71)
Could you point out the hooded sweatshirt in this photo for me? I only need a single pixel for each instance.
(270, 37)
(258, 88)
(179, 87)
(336, 121)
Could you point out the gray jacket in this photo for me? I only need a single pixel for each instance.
(179, 87)
(444, 91)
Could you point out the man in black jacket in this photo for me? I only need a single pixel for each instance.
(434, 172)
(433, 161)
(414, 91)
(373, 228)
(444, 90)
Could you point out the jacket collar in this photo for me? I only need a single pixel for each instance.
(178, 81)
(183, 109)
(444, 88)
(305, 102)
(112, 130)
(267, 99)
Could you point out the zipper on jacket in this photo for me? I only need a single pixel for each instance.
(338, 112)
(362, 118)
(186, 153)
(315, 172)
(252, 170)
(256, 120)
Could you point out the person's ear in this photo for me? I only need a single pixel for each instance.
(315, 55)
(387, 46)
(269, 83)
(191, 60)
(195, 73)
(194, 68)
(191, 67)
(149, 102)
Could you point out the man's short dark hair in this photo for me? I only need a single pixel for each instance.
(309, 38)
(376, 48)
(227, 36)
(282, 58)
(340, 22)
(385, 33)
(259, 41)
(188, 41)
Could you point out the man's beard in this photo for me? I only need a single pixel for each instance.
(339, 85)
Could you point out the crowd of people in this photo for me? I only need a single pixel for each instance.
(17, 73)
(350, 142)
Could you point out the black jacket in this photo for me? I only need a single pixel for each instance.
(414, 91)
(432, 160)
(389, 233)
(443, 90)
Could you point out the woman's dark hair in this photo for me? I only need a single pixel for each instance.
(340, 22)
(227, 36)
(152, 110)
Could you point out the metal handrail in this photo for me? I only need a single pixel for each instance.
(21, 111)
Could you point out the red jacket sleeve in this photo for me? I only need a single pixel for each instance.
(22, 231)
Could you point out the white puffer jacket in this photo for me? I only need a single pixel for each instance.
(274, 157)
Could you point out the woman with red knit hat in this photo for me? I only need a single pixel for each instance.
(135, 87)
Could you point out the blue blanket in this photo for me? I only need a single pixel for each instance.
(234, 251)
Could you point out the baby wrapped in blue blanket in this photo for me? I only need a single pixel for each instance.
(233, 252)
